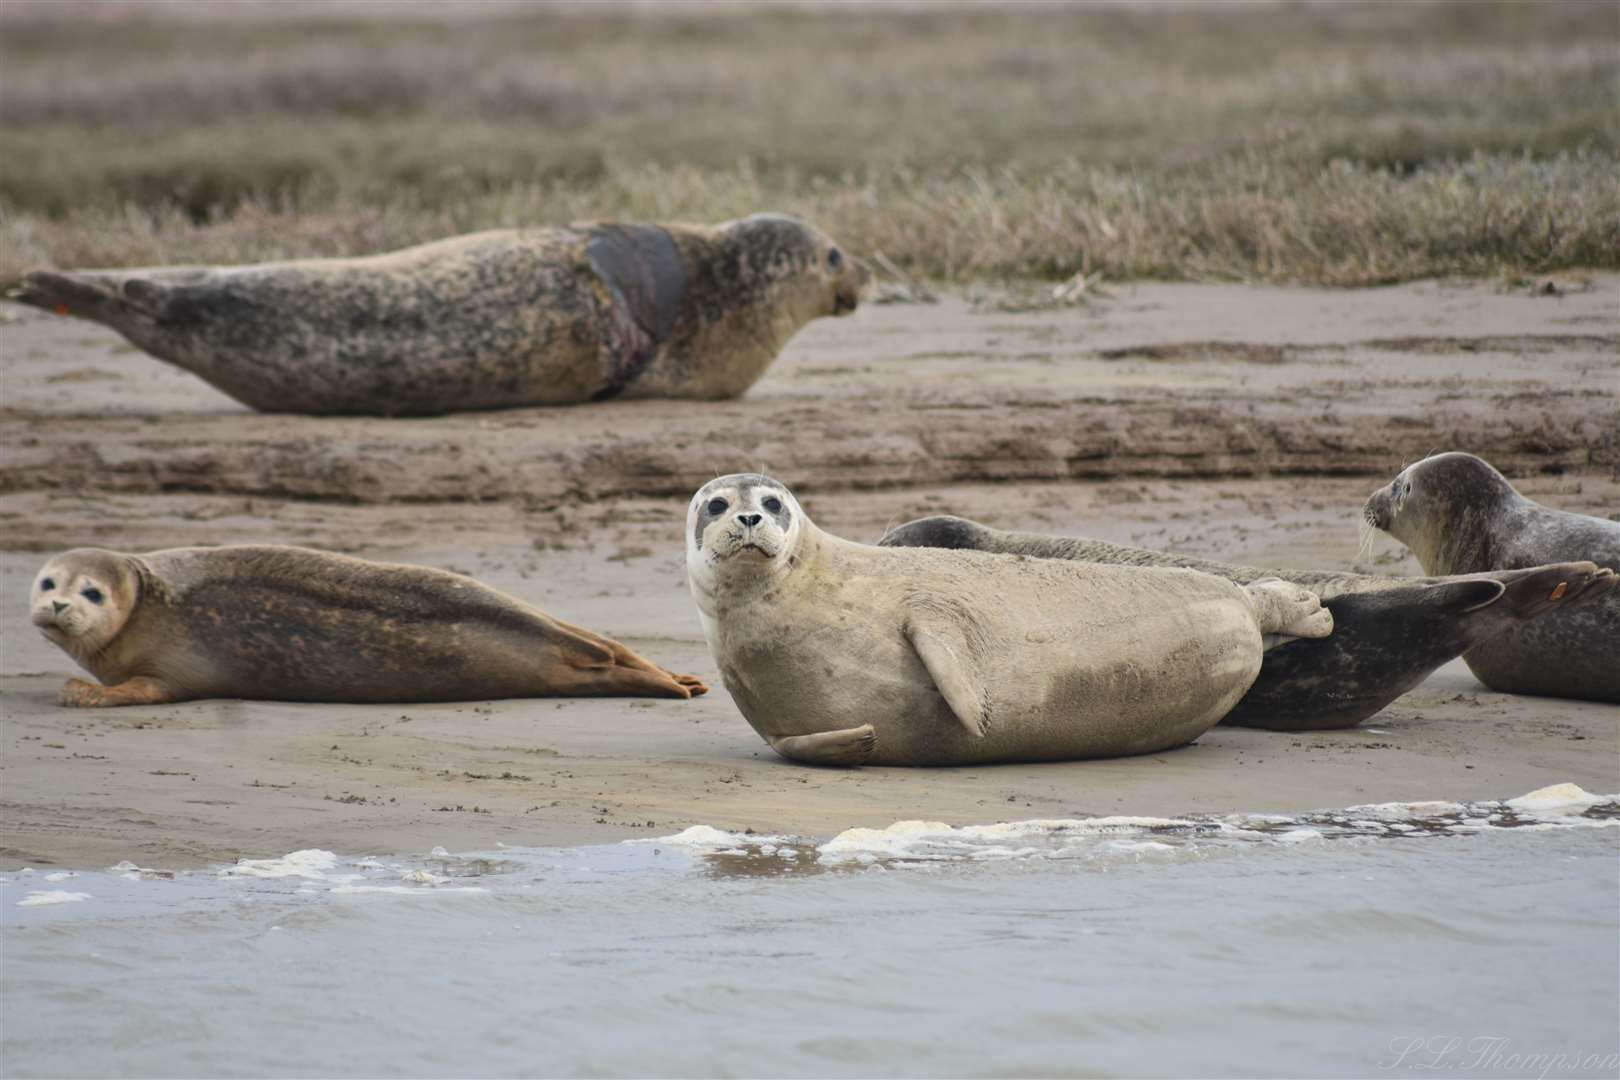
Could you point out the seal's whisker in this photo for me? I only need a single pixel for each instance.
(1366, 534)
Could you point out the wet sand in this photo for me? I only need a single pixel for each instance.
(1244, 424)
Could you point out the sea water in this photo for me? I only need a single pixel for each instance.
(1414, 939)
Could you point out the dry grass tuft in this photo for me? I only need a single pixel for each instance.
(1343, 144)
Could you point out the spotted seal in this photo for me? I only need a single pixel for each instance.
(294, 624)
(1459, 515)
(841, 654)
(1388, 633)
(540, 316)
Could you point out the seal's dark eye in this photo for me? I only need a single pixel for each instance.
(47, 585)
(773, 504)
(718, 506)
(835, 259)
(91, 594)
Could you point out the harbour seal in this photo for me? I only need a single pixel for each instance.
(542, 316)
(293, 624)
(1388, 633)
(1459, 516)
(841, 654)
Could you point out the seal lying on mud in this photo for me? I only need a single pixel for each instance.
(292, 624)
(842, 654)
(511, 317)
(1388, 633)
(1460, 516)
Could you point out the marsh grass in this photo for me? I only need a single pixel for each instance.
(1346, 144)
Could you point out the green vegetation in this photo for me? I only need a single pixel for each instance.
(1343, 144)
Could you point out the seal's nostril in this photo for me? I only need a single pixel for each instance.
(750, 520)
(60, 606)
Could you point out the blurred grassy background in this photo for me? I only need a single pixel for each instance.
(1343, 144)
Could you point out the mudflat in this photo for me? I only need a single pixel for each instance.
(1241, 423)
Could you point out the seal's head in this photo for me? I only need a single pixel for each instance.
(939, 531)
(741, 528)
(83, 597)
(781, 254)
(1439, 498)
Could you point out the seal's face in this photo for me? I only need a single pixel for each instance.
(82, 598)
(1384, 505)
(782, 249)
(1444, 483)
(740, 526)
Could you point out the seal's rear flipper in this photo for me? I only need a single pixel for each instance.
(1531, 592)
(102, 297)
(1460, 597)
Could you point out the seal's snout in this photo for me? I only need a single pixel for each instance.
(750, 520)
(854, 282)
(59, 606)
(1377, 511)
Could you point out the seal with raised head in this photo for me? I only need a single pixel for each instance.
(1388, 633)
(841, 653)
(1459, 516)
(541, 316)
(294, 624)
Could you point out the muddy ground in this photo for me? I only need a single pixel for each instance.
(1241, 423)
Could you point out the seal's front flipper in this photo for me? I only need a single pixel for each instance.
(1284, 608)
(943, 651)
(846, 747)
(140, 690)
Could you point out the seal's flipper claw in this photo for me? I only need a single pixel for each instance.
(1285, 608)
(141, 690)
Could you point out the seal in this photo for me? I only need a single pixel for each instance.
(1388, 633)
(841, 654)
(1459, 515)
(294, 624)
(511, 317)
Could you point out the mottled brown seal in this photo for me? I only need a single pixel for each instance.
(1459, 515)
(1388, 633)
(841, 654)
(540, 316)
(293, 624)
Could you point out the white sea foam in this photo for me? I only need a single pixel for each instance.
(1559, 799)
(1135, 837)
(40, 898)
(309, 863)
(61, 875)
(706, 836)
(403, 890)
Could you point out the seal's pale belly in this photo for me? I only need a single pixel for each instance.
(1070, 668)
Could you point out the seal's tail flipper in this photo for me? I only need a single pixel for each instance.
(1288, 609)
(1532, 592)
(112, 299)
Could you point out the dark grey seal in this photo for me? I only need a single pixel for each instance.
(1460, 516)
(544, 316)
(1388, 633)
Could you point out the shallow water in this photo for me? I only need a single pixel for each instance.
(1395, 940)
